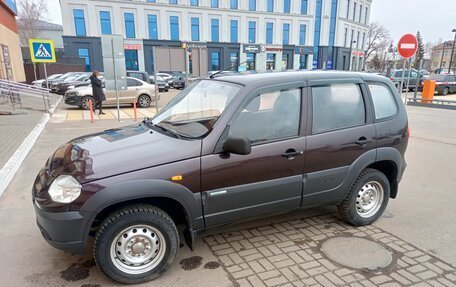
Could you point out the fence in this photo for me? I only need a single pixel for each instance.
(15, 96)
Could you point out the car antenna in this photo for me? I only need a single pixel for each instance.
(227, 69)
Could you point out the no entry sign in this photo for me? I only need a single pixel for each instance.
(407, 46)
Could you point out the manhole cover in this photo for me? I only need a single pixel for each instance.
(357, 252)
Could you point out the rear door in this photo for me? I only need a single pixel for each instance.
(451, 82)
(270, 178)
(341, 130)
(133, 87)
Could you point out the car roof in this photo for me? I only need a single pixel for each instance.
(282, 77)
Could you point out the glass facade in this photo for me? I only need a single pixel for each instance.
(251, 61)
(215, 61)
(286, 34)
(234, 31)
(317, 32)
(195, 29)
(84, 53)
(131, 60)
(332, 23)
(252, 5)
(129, 25)
(252, 32)
(304, 7)
(79, 22)
(286, 6)
(269, 32)
(303, 61)
(302, 34)
(270, 6)
(153, 26)
(105, 22)
(215, 29)
(174, 27)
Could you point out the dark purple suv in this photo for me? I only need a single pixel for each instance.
(226, 148)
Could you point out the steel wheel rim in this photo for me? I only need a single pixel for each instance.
(369, 199)
(144, 101)
(138, 249)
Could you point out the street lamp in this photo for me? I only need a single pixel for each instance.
(452, 51)
(351, 51)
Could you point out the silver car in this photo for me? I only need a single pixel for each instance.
(143, 92)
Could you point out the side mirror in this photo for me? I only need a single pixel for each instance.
(237, 145)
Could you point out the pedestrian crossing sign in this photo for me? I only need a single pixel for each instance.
(42, 51)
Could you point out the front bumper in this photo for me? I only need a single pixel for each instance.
(73, 100)
(63, 230)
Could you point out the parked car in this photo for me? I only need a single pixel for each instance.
(39, 83)
(143, 92)
(445, 84)
(412, 76)
(61, 79)
(143, 76)
(163, 86)
(228, 148)
(70, 83)
(443, 72)
(167, 77)
(179, 83)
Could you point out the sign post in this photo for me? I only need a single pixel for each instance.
(407, 47)
(42, 51)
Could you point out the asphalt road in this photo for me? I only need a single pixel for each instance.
(421, 221)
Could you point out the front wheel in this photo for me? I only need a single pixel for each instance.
(136, 244)
(85, 103)
(144, 101)
(445, 91)
(366, 199)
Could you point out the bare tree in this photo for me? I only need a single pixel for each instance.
(378, 39)
(31, 12)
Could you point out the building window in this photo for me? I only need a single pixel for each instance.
(151, 1)
(194, 2)
(105, 21)
(215, 30)
(131, 60)
(286, 6)
(345, 37)
(354, 11)
(304, 7)
(79, 22)
(250, 61)
(84, 54)
(318, 12)
(153, 29)
(302, 34)
(363, 41)
(234, 31)
(357, 40)
(195, 29)
(360, 13)
(269, 32)
(174, 27)
(252, 34)
(285, 59)
(270, 6)
(214, 3)
(348, 9)
(286, 34)
(270, 61)
(303, 61)
(234, 57)
(332, 25)
(234, 4)
(172, 1)
(365, 15)
(252, 5)
(129, 25)
(215, 61)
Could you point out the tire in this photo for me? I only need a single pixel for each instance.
(358, 208)
(146, 225)
(85, 102)
(144, 101)
(445, 91)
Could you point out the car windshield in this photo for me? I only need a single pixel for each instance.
(438, 78)
(193, 113)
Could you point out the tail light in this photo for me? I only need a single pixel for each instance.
(392, 78)
(408, 131)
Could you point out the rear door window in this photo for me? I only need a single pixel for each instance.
(336, 107)
(450, 78)
(385, 105)
(133, 83)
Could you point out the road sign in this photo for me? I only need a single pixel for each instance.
(407, 46)
(42, 51)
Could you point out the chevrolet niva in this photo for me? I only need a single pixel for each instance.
(225, 149)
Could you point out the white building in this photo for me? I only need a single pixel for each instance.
(266, 34)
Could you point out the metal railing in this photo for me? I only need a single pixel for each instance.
(14, 96)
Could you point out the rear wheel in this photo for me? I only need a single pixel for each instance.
(85, 102)
(367, 198)
(143, 101)
(136, 244)
(445, 91)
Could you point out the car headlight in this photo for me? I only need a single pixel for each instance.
(64, 189)
(70, 87)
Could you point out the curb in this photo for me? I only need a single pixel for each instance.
(9, 170)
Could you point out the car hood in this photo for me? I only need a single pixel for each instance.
(118, 151)
(81, 90)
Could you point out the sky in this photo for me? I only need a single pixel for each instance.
(433, 18)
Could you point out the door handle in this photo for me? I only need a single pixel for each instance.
(362, 141)
(291, 153)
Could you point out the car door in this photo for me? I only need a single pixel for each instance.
(269, 179)
(133, 87)
(451, 80)
(340, 132)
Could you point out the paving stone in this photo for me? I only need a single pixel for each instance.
(255, 281)
(269, 274)
(276, 281)
(243, 273)
(291, 276)
(380, 279)
(426, 274)
(401, 279)
(409, 276)
(256, 266)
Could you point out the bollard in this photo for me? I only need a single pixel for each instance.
(134, 109)
(91, 110)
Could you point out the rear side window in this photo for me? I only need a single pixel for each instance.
(133, 83)
(450, 78)
(337, 106)
(384, 103)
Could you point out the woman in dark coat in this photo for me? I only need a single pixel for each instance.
(97, 92)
